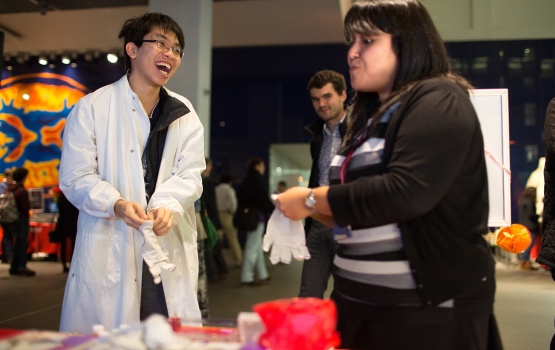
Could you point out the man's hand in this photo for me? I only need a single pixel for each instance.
(132, 213)
(162, 220)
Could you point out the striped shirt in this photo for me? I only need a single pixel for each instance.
(372, 260)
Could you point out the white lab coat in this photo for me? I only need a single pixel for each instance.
(104, 138)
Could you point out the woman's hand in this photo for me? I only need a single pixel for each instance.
(292, 203)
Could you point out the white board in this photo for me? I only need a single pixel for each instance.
(492, 107)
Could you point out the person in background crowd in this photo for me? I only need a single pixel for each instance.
(281, 187)
(408, 195)
(536, 180)
(226, 200)
(132, 153)
(6, 180)
(19, 229)
(254, 193)
(527, 216)
(7, 239)
(546, 255)
(66, 227)
(328, 92)
(216, 266)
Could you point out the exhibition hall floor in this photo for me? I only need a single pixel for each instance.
(525, 301)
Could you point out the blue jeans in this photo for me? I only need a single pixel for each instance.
(253, 258)
(317, 270)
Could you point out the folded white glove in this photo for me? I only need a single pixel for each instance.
(286, 238)
(156, 258)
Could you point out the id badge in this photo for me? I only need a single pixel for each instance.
(340, 233)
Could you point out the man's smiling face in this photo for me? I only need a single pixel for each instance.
(156, 65)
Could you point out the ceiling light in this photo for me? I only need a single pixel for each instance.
(43, 60)
(66, 59)
(112, 57)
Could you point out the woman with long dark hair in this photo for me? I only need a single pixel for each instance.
(409, 192)
(254, 194)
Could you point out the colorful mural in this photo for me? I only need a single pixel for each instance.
(33, 111)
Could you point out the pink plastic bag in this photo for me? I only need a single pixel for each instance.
(299, 323)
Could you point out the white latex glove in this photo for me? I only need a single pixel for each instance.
(286, 238)
(152, 252)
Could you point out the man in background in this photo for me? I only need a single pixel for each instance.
(226, 199)
(328, 93)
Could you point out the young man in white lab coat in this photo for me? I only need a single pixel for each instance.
(133, 151)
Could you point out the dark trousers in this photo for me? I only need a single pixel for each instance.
(63, 249)
(317, 270)
(19, 230)
(215, 261)
(417, 328)
(153, 300)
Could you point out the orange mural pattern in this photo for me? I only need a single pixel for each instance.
(33, 111)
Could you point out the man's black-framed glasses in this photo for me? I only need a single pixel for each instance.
(177, 52)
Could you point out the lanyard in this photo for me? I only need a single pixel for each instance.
(363, 137)
(343, 168)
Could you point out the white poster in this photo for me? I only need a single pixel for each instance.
(492, 106)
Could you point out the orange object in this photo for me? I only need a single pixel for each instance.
(514, 239)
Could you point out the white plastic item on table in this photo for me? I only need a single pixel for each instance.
(250, 327)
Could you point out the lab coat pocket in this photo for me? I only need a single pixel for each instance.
(99, 258)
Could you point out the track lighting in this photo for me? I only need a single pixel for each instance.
(43, 60)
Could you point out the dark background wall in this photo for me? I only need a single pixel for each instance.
(259, 94)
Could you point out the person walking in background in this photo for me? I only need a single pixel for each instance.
(408, 193)
(66, 226)
(528, 217)
(216, 266)
(7, 239)
(226, 200)
(536, 180)
(132, 157)
(328, 92)
(254, 194)
(546, 255)
(19, 229)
